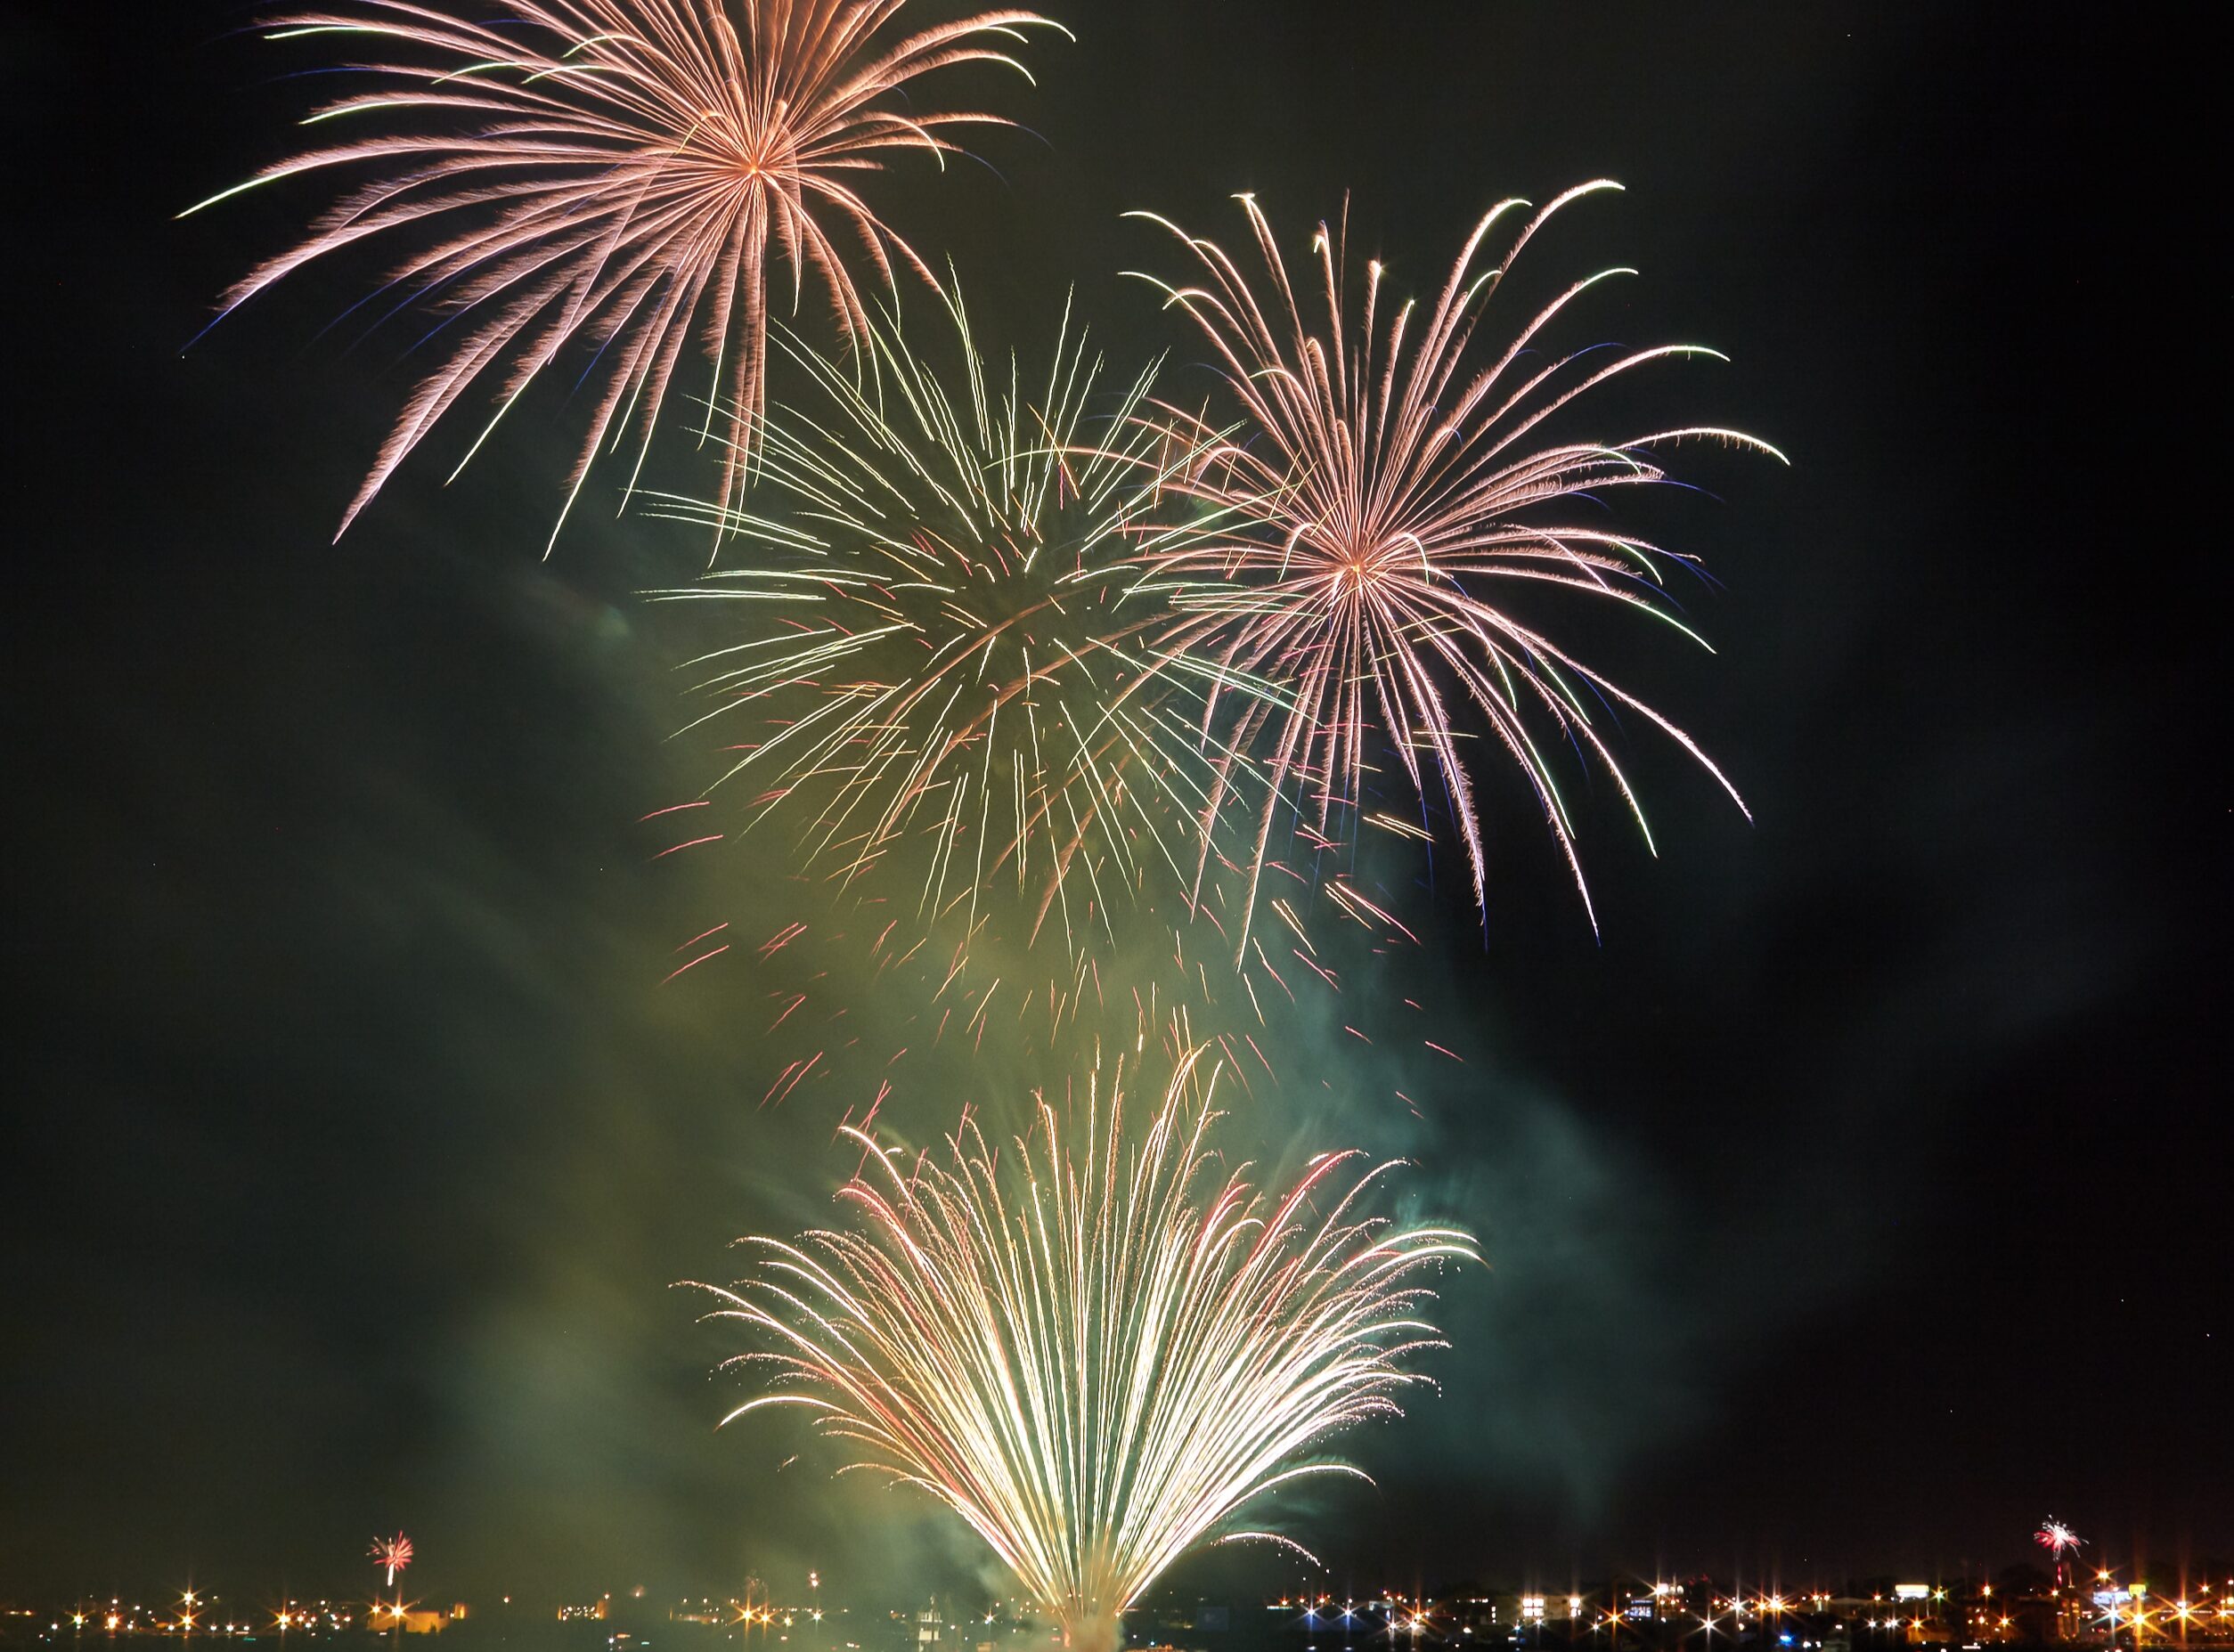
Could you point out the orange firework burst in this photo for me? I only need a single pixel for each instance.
(1385, 487)
(1098, 1355)
(610, 171)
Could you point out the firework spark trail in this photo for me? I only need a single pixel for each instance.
(948, 679)
(1096, 1358)
(611, 172)
(836, 1019)
(1391, 486)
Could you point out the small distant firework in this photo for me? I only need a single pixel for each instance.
(1096, 1358)
(944, 676)
(2058, 1540)
(393, 1553)
(1391, 488)
(615, 174)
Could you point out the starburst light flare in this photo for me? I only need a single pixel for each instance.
(1098, 1356)
(613, 174)
(1398, 486)
(935, 660)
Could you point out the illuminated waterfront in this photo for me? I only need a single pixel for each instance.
(2017, 1606)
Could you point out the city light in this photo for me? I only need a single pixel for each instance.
(1624, 1614)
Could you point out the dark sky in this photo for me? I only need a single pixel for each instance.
(1857, 1201)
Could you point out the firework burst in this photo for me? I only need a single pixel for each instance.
(2058, 1540)
(1097, 1358)
(393, 1553)
(1394, 488)
(613, 173)
(948, 681)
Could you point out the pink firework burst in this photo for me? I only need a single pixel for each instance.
(615, 173)
(393, 1552)
(1387, 490)
(2058, 1540)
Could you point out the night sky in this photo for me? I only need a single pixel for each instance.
(1857, 1200)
